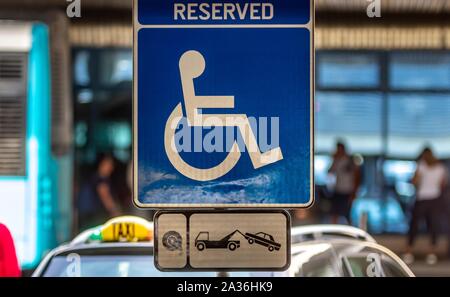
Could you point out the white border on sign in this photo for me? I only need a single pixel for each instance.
(136, 27)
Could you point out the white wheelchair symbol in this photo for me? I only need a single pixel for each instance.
(192, 65)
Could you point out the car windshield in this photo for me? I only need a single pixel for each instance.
(374, 263)
(362, 260)
(115, 266)
(314, 260)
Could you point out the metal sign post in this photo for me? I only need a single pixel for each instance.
(223, 119)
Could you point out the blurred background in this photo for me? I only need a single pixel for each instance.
(382, 88)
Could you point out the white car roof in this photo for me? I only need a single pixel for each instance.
(301, 233)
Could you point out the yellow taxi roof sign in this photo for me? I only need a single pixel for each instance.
(127, 229)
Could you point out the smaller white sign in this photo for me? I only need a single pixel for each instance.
(222, 240)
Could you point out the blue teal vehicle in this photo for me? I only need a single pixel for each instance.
(35, 170)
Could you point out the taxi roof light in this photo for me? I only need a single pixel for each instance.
(127, 229)
(120, 229)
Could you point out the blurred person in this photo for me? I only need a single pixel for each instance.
(9, 265)
(446, 215)
(96, 202)
(347, 180)
(120, 187)
(430, 180)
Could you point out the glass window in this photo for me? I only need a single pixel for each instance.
(384, 213)
(373, 263)
(419, 71)
(318, 268)
(348, 70)
(99, 73)
(417, 120)
(116, 67)
(314, 260)
(396, 120)
(392, 268)
(397, 170)
(81, 134)
(85, 96)
(398, 174)
(353, 117)
(360, 266)
(81, 68)
(321, 166)
(113, 135)
(113, 266)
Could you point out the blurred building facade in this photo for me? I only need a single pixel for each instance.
(382, 86)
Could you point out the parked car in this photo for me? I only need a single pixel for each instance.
(335, 251)
(122, 247)
(305, 233)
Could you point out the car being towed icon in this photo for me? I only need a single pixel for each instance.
(263, 239)
(203, 242)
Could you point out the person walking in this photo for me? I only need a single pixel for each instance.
(96, 202)
(430, 180)
(347, 180)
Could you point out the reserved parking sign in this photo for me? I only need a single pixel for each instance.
(223, 103)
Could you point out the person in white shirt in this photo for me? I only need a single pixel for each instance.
(430, 180)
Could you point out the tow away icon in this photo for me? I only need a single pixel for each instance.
(203, 242)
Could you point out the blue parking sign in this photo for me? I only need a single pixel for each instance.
(223, 103)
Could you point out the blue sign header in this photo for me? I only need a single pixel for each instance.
(216, 12)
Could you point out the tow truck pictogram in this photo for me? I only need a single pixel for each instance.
(203, 242)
